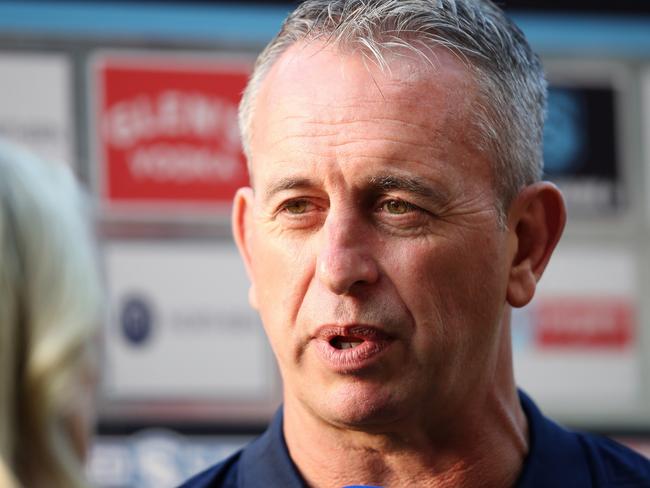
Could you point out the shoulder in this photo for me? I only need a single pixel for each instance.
(223, 474)
(614, 464)
(561, 457)
(262, 463)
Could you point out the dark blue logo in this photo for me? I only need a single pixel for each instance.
(136, 320)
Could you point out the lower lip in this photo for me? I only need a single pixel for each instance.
(353, 359)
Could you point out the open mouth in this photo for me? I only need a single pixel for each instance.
(340, 342)
(351, 349)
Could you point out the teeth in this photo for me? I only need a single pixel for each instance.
(349, 345)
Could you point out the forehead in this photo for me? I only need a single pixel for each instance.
(324, 102)
(323, 74)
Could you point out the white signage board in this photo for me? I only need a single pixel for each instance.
(180, 326)
(576, 346)
(36, 104)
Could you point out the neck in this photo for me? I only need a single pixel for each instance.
(481, 441)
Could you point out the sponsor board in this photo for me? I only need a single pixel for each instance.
(585, 149)
(576, 345)
(166, 132)
(180, 327)
(35, 104)
(580, 147)
(595, 322)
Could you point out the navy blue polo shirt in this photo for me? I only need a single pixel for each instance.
(557, 458)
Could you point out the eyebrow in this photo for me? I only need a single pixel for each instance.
(409, 184)
(287, 183)
(382, 182)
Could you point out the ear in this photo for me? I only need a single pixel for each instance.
(241, 229)
(536, 220)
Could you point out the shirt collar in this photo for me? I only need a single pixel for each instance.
(266, 462)
(554, 453)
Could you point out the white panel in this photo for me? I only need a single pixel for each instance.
(576, 346)
(592, 383)
(585, 271)
(35, 104)
(190, 333)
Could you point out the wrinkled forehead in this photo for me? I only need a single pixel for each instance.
(314, 82)
(305, 66)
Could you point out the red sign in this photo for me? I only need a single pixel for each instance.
(584, 322)
(167, 130)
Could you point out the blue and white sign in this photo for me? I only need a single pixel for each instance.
(180, 325)
(156, 458)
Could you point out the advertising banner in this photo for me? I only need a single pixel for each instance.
(180, 327)
(35, 104)
(166, 131)
(577, 343)
(581, 147)
(586, 144)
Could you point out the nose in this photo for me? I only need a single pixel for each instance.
(345, 259)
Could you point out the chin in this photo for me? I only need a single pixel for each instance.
(361, 406)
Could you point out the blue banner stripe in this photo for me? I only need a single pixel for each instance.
(621, 35)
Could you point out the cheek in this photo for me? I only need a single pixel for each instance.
(281, 273)
(453, 293)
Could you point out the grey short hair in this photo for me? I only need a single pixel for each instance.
(512, 86)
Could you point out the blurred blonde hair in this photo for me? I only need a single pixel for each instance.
(49, 316)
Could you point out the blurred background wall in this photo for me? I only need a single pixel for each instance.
(140, 98)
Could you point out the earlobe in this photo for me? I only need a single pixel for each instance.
(536, 221)
(241, 229)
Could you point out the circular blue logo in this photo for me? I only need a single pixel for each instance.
(136, 320)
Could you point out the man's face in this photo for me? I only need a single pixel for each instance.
(371, 237)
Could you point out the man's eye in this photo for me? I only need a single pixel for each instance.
(296, 207)
(397, 207)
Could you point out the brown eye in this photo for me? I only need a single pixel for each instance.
(297, 207)
(397, 207)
